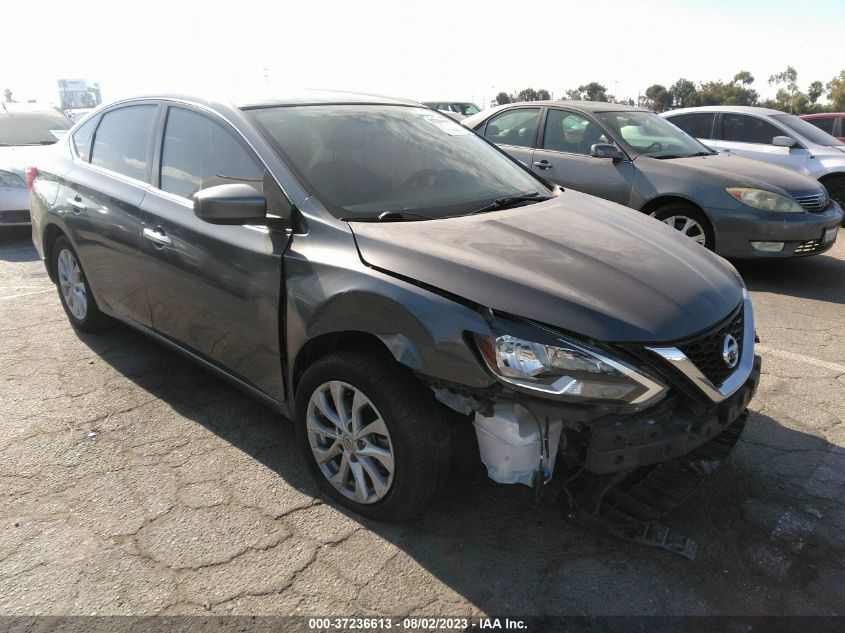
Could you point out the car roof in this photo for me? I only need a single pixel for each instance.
(823, 115)
(13, 107)
(585, 106)
(271, 98)
(727, 108)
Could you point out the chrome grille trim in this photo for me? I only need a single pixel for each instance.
(732, 383)
(813, 203)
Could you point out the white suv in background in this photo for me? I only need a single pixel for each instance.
(769, 135)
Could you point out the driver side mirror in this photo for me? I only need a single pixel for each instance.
(783, 141)
(230, 204)
(606, 150)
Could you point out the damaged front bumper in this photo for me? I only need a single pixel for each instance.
(662, 433)
(528, 433)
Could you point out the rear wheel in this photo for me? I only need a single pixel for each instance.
(373, 436)
(74, 291)
(689, 220)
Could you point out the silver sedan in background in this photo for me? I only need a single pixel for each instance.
(25, 129)
(738, 207)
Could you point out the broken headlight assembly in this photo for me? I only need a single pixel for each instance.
(568, 369)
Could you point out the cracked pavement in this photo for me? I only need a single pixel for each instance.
(134, 483)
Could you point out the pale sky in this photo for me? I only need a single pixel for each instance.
(408, 48)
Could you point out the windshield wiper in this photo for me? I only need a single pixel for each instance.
(670, 156)
(509, 201)
(391, 216)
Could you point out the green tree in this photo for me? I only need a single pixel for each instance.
(743, 77)
(574, 94)
(734, 93)
(684, 94)
(594, 91)
(526, 94)
(836, 92)
(657, 98)
(529, 94)
(502, 98)
(815, 91)
(789, 80)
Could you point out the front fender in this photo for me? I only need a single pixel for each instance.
(329, 290)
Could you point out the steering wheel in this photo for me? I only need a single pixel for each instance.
(657, 146)
(419, 178)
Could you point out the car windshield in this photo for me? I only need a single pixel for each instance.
(806, 129)
(365, 160)
(42, 127)
(651, 135)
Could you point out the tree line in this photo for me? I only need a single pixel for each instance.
(687, 94)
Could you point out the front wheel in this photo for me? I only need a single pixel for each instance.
(372, 434)
(689, 221)
(836, 190)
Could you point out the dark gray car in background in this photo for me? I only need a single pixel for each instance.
(388, 279)
(738, 207)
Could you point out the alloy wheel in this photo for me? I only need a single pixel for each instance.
(72, 285)
(350, 442)
(687, 226)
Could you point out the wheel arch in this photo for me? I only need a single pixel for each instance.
(52, 232)
(832, 176)
(315, 348)
(655, 203)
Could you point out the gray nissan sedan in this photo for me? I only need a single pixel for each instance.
(738, 207)
(406, 292)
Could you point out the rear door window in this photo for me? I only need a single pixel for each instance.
(82, 137)
(199, 152)
(123, 139)
(696, 124)
(514, 127)
(748, 129)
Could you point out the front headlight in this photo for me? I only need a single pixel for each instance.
(568, 369)
(8, 179)
(765, 200)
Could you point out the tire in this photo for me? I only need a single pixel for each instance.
(415, 435)
(836, 190)
(685, 216)
(74, 292)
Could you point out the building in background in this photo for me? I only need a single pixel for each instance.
(79, 93)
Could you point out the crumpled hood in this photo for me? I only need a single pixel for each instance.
(737, 171)
(575, 262)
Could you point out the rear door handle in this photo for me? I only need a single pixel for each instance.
(157, 236)
(543, 164)
(76, 204)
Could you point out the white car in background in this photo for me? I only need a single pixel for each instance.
(24, 129)
(769, 135)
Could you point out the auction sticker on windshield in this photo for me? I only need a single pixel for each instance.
(446, 125)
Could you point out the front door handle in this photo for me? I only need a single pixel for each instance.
(543, 164)
(157, 236)
(76, 204)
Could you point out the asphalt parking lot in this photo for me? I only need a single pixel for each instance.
(132, 482)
